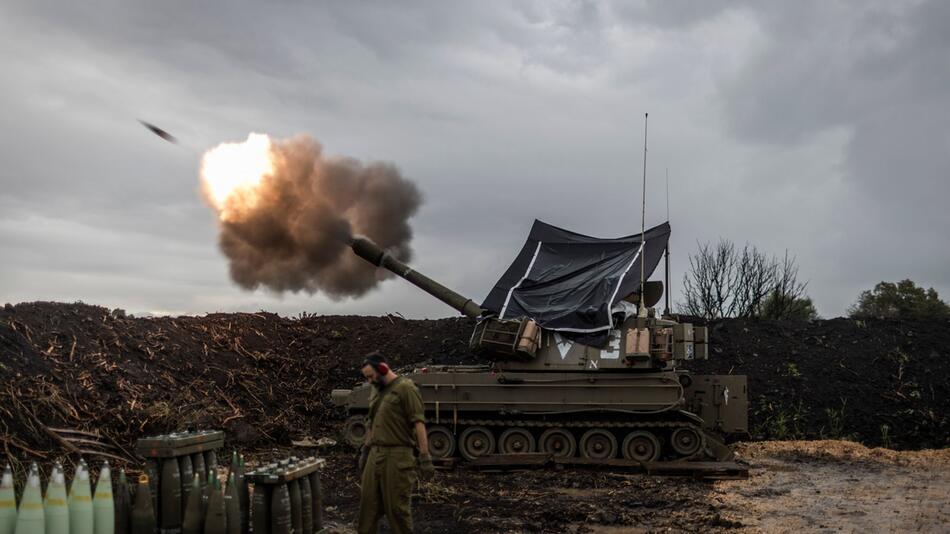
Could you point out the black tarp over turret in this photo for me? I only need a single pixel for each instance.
(569, 282)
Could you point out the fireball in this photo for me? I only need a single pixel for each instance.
(231, 174)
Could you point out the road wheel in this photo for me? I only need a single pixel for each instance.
(598, 444)
(641, 446)
(559, 442)
(476, 441)
(354, 430)
(515, 440)
(441, 442)
(686, 441)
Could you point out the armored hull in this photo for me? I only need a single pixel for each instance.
(474, 411)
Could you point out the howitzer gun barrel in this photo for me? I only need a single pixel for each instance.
(372, 253)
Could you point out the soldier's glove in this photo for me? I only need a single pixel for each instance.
(426, 469)
(364, 455)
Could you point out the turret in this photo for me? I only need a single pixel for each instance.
(640, 342)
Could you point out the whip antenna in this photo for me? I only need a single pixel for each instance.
(666, 282)
(643, 219)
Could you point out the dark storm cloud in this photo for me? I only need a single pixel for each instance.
(878, 72)
(815, 127)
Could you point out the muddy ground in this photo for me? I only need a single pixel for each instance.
(793, 486)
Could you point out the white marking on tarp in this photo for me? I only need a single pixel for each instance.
(610, 316)
(504, 307)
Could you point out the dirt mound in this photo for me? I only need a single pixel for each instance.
(266, 379)
(843, 452)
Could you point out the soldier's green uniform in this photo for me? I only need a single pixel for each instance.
(390, 469)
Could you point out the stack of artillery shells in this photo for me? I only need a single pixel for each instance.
(81, 511)
(287, 497)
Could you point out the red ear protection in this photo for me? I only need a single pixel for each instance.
(382, 368)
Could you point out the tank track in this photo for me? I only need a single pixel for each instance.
(662, 432)
(503, 424)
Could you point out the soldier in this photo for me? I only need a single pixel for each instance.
(387, 461)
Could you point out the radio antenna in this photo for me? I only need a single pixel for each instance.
(667, 194)
(666, 282)
(643, 221)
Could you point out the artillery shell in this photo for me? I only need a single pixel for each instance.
(153, 470)
(103, 505)
(206, 492)
(170, 503)
(244, 493)
(143, 516)
(306, 505)
(80, 502)
(316, 490)
(7, 502)
(215, 519)
(260, 509)
(123, 505)
(211, 461)
(232, 506)
(280, 519)
(198, 466)
(56, 506)
(184, 467)
(194, 511)
(31, 519)
(296, 518)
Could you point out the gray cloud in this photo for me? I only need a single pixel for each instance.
(814, 127)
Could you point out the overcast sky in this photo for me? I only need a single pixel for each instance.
(819, 127)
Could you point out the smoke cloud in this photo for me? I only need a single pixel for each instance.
(290, 230)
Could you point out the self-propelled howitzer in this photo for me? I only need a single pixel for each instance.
(618, 394)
